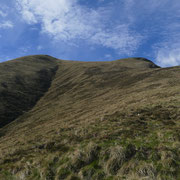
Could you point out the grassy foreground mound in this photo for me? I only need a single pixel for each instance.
(96, 120)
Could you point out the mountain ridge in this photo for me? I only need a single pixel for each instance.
(97, 120)
(45, 59)
(19, 87)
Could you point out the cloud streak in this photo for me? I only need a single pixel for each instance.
(68, 21)
(168, 57)
(159, 23)
(3, 14)
(148, 28)
(6, 25)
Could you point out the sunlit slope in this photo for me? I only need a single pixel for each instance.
(74, 86)
(126, 111)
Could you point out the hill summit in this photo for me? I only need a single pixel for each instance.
(89, 120)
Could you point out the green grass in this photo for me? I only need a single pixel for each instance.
(89, 120)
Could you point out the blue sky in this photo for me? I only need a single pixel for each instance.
(91, 30)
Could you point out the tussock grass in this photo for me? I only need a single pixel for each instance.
(94, 120)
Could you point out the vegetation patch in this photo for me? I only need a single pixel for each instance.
(95, 120)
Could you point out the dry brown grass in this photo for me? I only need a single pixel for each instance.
(129, 109)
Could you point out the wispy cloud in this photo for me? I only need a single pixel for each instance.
(6, 25)
(158, 21)
(67, 21)
(168, 48)
(39, 47)
(168, 57)
(60, 18)
(3, 14)
(148, 28)
(167, 52)
(120, 39)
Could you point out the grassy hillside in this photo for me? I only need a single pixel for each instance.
(92, 120)
(22, 82)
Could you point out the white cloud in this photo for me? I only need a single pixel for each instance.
(159, 22)
(169, 57)
(3, 14)
(66, 20)
(24, 50)
(6, 25)
(108, 57)
(135, 23)
(39, 47)
(43, 10)
(60, 18)
(120, 39)
(168, 53)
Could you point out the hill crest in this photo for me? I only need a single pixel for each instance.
(89, 120)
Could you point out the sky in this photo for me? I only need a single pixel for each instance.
(91, 30)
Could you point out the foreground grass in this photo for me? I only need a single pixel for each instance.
(138, 144)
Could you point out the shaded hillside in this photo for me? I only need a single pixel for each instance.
(22, 82)
(98, 120)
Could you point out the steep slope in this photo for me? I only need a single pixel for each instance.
(22, 82)
(98, 120)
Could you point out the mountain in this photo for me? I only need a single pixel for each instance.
(89, 120)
